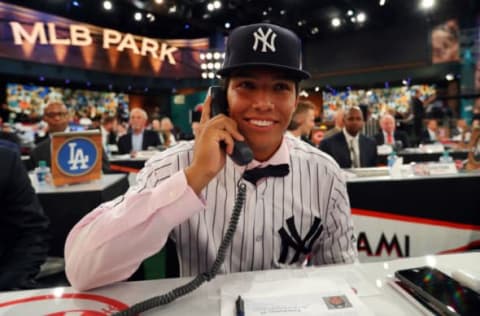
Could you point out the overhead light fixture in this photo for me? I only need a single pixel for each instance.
(150, 17)
(107, 5)
(75, 3)
(137, 16)
(404, 82)
(282, 12)
(314, 30)
(158, 1)
(210, 6)
(427, 4)
(172, 9)
(361, 17)
(217, 4)
(264, 13)
(317, 88)
(336, 22)
(211, 62)
(227, 25)
(350, 12)
(353, 19)
(449, 77)
(382, 2)
(186, 26)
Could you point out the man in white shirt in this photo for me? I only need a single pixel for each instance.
(297, 214)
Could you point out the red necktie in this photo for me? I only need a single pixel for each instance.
(389, 138)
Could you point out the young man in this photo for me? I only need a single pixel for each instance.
(303, 121)
(350, 148)
(187, 192)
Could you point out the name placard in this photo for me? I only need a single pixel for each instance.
(76, 157)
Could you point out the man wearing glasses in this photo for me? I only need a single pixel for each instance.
(56, 116)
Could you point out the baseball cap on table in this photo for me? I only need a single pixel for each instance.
(266, 45)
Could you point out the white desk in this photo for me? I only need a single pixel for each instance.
(206, 300)
(104, 182)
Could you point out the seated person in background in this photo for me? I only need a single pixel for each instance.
(23, 226)
(302, 122)
(8, 138)
(138, 138)
(430, 134)
(109, 137)
(56, 116)
(350, 148)
(167, 136)
(183, 190)
(461, 132)
(389, 134)
(338, 124)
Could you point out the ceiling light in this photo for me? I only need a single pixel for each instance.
(137, 16)
(211, 75)
(209, 55)
(210, 6)
(204, 75)
(264, 13)
(301, 22)
(216, 55)
(158, 1)
(404, 82)
(427, 4)
(353, 19)
(202, 56)
(382, 2)
(227, 25)
(203, 66)
(350, 12)
(314, 30)
(317, 88)
(150, 17)
(282, 12)
(172, 9)
(75, 3)
(107, 5)
(336, 22)
(449, 77)
(217, 4)
(361, 17)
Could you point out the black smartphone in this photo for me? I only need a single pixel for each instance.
(444, 294)
(242, 154)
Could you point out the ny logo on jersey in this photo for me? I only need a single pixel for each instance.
(77, 157)
(295, 242)
(267, 39)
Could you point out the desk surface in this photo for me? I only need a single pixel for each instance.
(97, 185)
(206, 300)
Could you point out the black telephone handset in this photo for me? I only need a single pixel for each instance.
(242, 154)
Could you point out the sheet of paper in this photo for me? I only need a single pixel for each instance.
(294, 296)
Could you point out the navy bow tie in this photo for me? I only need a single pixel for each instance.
(255, 174)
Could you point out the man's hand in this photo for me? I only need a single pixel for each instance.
(208, 156)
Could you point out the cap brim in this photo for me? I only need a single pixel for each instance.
(290, 71)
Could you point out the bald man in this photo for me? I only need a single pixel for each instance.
(56, 116)
(349, 148)
(389, 135)
(138, 138)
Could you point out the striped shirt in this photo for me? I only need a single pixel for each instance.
(313, 192)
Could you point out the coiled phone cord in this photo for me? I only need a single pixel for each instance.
(201, 278)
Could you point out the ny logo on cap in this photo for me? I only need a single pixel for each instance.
(267, 39)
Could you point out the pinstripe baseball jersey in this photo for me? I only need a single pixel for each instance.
(284, 221)
(302, 217)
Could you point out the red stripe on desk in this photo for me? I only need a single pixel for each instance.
(412, 219)
(471, 245)
(123, 169)
(84, 296)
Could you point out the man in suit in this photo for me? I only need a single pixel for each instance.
(430, 135)
(138, 138)
(23, 226)
(349, 148)
(56, 116)
(389, 135)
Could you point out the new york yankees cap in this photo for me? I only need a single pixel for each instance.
(264, 44)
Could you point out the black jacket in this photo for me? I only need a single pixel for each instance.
(23, 225)
(336, 146)
(150, 138)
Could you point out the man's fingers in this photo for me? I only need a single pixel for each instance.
(206, 109)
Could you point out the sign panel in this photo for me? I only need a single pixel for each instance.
(30, 35)
(76, 157)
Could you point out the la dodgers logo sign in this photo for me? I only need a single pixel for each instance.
(77, 156)
(266, 39)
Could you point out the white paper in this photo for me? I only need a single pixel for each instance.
(294, 296)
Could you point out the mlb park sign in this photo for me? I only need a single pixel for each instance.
(76, 157)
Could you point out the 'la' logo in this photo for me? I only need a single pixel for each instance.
(77, 157)
(267, 39)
